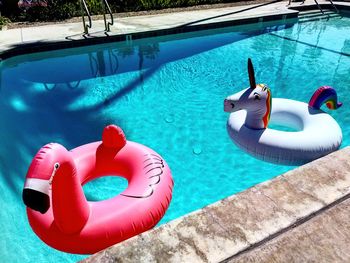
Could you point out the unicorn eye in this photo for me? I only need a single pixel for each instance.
(256, 96)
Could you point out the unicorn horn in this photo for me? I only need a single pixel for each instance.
(251, 74)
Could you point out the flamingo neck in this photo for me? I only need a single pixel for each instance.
(70, 207)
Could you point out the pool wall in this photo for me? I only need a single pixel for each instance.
(228, 230)
(253, 14)
(34, 47)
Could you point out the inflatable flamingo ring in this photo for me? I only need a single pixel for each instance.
(251, 110)
(58, 210)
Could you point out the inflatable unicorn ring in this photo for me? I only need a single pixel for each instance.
(252, 109)
(58, 210)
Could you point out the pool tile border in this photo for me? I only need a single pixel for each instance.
(240, 223)
(33, 47)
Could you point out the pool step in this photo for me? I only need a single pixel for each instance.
(314, 15)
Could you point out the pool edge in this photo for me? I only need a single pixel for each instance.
(41, 46)
(280, 12)
(245, 221)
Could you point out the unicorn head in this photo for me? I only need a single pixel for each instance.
(256, 100)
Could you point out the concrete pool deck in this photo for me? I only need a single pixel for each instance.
(299, 216)
(14, 39)
(32, 39)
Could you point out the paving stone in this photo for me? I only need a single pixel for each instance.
(291, 218)
(324, 238)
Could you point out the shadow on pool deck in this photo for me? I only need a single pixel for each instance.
(228, 14)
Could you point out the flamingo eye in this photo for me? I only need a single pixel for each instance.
(256, 96)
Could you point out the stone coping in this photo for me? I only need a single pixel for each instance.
(101, 37)
(324, 5)
(21, 41)
(52, 37)
(238, 224)
(139, 27)
(324, 238)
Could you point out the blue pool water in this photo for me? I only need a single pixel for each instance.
(166, 93)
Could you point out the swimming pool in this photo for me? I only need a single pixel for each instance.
(167, 93)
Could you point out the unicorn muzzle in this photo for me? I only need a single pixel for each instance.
(35, 194)
(229, 106)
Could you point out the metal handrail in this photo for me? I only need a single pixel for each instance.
(336, 9)
(108, 10)
(319, 7)
(86, 9)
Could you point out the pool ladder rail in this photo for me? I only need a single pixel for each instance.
(86, 12)
(319, 6)
(108, 10)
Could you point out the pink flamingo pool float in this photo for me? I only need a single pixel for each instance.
(59, 212)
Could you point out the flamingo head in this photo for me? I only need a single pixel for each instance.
(36, 191)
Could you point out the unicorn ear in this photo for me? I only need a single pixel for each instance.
(251, 74)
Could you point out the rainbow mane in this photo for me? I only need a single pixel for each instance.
(267, 115)
(325, 94)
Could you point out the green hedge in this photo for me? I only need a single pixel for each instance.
(63, 9)
(51, 12)
(4, 21)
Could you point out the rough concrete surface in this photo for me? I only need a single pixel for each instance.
(306, 208)
(324, 238)
(127, 25)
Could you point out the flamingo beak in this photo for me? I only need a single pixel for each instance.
(35, 195)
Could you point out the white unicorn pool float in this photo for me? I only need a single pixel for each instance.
(317, 133)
